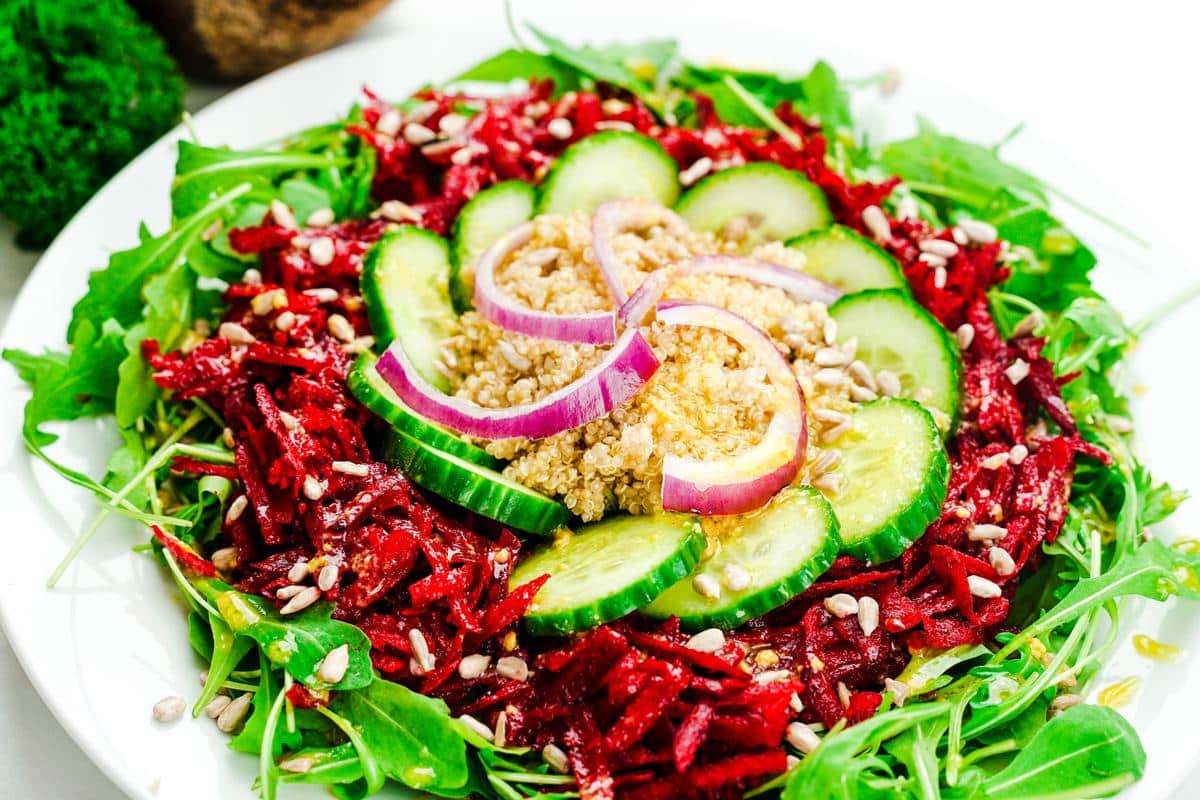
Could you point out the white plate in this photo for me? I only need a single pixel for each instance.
(111, 640)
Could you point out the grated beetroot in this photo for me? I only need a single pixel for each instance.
(640, 713)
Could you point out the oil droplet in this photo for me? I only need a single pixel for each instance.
(1188, 545)
(1120, 693)
(1156, 650)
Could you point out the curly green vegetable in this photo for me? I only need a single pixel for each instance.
(84, 87)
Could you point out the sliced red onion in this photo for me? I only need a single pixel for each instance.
(797, 284)
(617, 216)
(622, 374)
(596, 327)
(746, 480)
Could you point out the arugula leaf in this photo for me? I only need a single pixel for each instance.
(329, 765)
(834, 770)
(636, 67)
(515, 64)
(68, 386)
(411, 735)
(297, 643)
(826, 98)
(226, 652)
(917, 749)
(1087, 751)
(254, 732)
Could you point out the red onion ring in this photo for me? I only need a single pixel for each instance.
(596, 327)
(617, 216)
(621, 375)
(746, 480)
(797, 284)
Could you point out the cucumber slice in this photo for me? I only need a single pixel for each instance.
(849, 261)
(404, 285)
(778, 203)
(784, 548)
(488, 216)
(894, 333)
(373, 392)
(608, 569)
(896, 472)
(605, 166)
(474, 487)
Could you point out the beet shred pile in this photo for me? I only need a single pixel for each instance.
(636, 711)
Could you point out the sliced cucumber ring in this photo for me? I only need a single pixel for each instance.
(895, 474)
(894, 333)
(849, 261)
(608, 569)
(776, 203)
(488, 216)
(373, 392)
(607, 166)
(475, 487)
(783, 548)
(404, 284)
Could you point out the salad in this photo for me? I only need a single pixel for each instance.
(599, 424)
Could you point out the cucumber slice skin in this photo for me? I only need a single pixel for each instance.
(848, 260)
(404, 285)
(905, 525)
(881, 319)
(475, 487)
(669, 544)
(735, 608)
(484, 219)
(606, 166)
(788, 202)
(371, 390)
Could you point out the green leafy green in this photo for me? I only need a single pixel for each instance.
(514, 64)
(1087, 751)
(410, 735)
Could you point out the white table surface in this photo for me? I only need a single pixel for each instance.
(1113, 84)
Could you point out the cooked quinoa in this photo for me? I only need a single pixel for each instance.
(709, 399)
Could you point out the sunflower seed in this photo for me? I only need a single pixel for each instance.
(322, 294)
(843, 693)
(341, 328)
(389, 122)
(831, 435)
(515, 359)
(982, 587)
(889, 383)
(235, 333)
(829, 331)
(978, 231)
(314, 489)
(986, 533)
(709, 640)
(707, 586)
(560, 128)
(737, 578)
(283, 215)
(334, 665)
(513, 667)
(297, 766)
(305, 598)
(939, 247)
(994, 461)
(772, 676)
(1001, 561)
(830, 357)
(796, 703)
(1018, 454)
(327, 578)
(907, 208)
(614, 125)
(861, 394)
(555, 758)
(876, 223)
(868, 615)
(477, 727)
(351, 468)
(361, 344)
(829, 377)
(965, 335)
(285, 321)
(1065, 701)
(452, 124)
(474, 666)
(1017, 371)
(225, 559)
(217, 705)
(831, 416)
(939, 278)
(322, 251)
(792, 762)
(802, 737)
(169, 709)
(900, 691)
(862, 374)
(233, 715)
(830, 483)
(841, 605)
(420, 650)
(501, 735)
(417, 134)
(699, 168)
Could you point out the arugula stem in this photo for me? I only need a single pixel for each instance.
(945, 192)
(157, 460)
(372, 772)
(763, 113)
(186, 586)
(536, 778)
(1107, 221)
(268, 772)
(288, 680)
(987, 751)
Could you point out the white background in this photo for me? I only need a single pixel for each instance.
(1114, 85)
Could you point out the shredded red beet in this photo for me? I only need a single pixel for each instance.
(638, 711)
